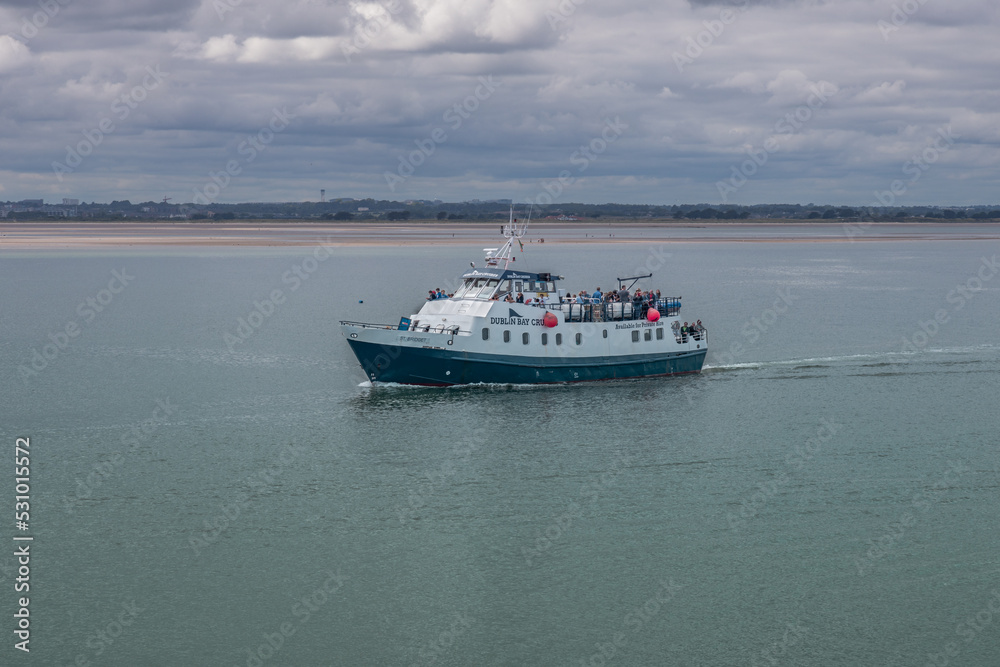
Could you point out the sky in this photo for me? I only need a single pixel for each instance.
(846, 102)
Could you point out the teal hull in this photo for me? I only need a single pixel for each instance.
(437, 367)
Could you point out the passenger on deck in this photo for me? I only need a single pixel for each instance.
(597, 296)
(639, 303)
(520, 297)
(495, 297)
(431, 295)
(440, 294)
(623, 295)
(580, 298)
(509, 299)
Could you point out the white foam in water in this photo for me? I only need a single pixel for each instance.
(848, 358)
(367, 384)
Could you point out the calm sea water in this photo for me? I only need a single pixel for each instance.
(825, 493)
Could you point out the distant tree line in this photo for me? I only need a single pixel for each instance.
(362, 210)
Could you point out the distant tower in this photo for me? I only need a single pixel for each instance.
(322, 195)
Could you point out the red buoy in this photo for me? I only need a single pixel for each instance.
(550, 320)
(652, 315)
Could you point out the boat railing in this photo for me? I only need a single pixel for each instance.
(613, 311)
(368, 325)
(406, 325)
(699, 335)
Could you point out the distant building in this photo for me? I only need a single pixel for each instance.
(32, 203)
(70, 202)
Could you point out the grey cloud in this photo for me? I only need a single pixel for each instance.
(361, 103)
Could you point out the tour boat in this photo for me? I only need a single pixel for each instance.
(478, 335)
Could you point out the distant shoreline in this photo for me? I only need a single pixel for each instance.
(288, 233)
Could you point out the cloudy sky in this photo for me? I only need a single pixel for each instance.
(640, 101)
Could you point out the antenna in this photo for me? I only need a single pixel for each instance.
(512, 232)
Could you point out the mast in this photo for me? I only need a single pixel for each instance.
(512, 231)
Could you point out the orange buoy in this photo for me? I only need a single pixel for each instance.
(653, 315)
(550, 320)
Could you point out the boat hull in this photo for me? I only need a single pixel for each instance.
(446, 367)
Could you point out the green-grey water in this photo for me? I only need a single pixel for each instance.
(824, 493)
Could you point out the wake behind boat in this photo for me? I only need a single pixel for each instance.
(517, 327)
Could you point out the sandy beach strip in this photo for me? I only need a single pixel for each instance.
(81, 235)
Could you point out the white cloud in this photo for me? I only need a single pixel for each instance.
(882, 93)
(13, 54)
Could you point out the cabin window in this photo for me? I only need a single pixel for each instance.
(659, 334)
(487, 289)
(506, 336)
(545, 339)
(505, 286)
(551, 287)
(525, 338)
(605, 333)
(635, 336)
(579, 338)
(558, 339)
(486, 333)
(648, 335)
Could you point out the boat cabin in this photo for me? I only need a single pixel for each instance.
(484, 283)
